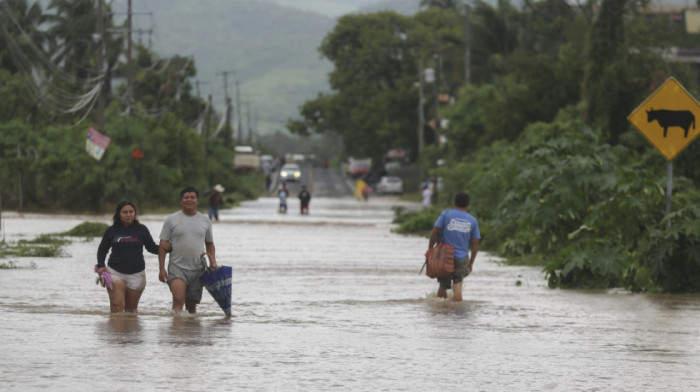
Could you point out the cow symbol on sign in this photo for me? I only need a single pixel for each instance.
(672, 118)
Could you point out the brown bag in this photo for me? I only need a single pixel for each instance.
(440, 261)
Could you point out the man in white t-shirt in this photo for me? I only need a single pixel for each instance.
(189, 234)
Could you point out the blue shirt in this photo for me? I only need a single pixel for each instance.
(458, 228)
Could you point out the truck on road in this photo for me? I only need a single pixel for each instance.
(245, 157)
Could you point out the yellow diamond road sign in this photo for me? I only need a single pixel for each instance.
(668, 118)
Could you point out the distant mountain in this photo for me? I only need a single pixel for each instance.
(332, 8)
(270, 47)
(336, 8)
(406, 7)
(271, 50)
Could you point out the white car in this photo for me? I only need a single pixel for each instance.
(290, 172)
(390, 184)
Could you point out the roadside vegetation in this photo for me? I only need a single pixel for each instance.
(534, 127)
(539, 136)
(48, 245)
(48, 80)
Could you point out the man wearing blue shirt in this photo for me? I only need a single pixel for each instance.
(460, 229)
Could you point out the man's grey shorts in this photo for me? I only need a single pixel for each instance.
(461, 271)
(191, 279)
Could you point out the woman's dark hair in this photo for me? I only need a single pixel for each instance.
(117, 219)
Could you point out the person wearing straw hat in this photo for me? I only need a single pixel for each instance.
(189, 233)
(215, 201)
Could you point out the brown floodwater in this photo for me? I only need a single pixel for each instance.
(332, 300)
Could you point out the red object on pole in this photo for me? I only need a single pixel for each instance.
(137, 154)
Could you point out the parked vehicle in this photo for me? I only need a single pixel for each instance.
(358, 167)
(245, 157)
(390, 184)
(290, 172)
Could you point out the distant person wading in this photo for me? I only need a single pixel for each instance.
(460, 229)
(215, 201)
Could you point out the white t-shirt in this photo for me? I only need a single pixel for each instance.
(188, 235)
(427, 193)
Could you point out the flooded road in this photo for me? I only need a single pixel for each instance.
(332, 301)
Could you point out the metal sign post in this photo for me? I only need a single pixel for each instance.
(668, 120)
(669, 188)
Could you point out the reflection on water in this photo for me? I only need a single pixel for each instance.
(185, 329)
(124, 328)
(333, 301)
(440, 307)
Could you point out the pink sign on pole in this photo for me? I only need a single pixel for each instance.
(96, 144)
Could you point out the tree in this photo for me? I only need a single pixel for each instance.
(620, 67)
(373, 83)
(21, 50)
(494, 35)
(376, 60)
(163, 85)
(72, 28)
(20, 28)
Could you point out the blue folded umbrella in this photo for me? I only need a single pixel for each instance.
(218, 284)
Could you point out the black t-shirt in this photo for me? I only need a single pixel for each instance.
(127, 245)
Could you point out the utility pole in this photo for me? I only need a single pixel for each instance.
(205, 132)
(205, 119)
(255, 127)
(130, 67)
(250, 125)
(19, 178)
(421, 114)
(100, 67)
(467, 47)
(130, 64)
(227, 127)
(207, 124)
(436, 90)
(238, 113)
(225, 73)
(197, 84)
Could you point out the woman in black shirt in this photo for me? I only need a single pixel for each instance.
(127, 238)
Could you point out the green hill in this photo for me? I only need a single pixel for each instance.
(271, 49)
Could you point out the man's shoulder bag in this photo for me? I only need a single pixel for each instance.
(440, 261)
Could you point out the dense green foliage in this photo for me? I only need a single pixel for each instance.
(56, 173)
(86, 229)
(47, 68)
(376, 66)
(539, 139)
(592, 212)
(48, 245)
